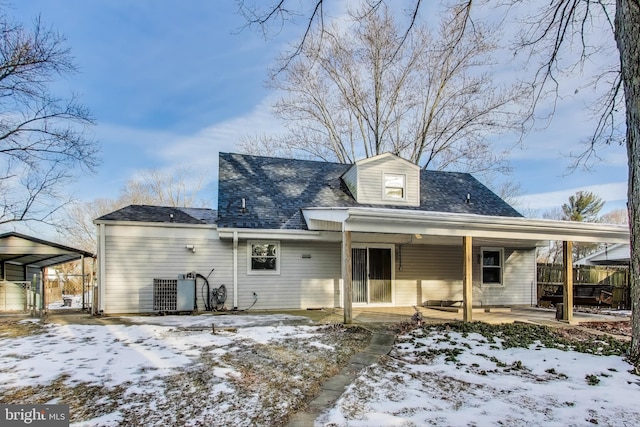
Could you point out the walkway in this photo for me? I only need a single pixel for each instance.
(378, 320)
(381, 344)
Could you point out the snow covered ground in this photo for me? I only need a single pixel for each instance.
(256, 370)
(447, 378)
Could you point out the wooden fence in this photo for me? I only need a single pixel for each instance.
(593, 285)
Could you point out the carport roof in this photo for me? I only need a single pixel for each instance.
(21, 249)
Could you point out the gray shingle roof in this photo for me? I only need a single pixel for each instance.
(275, 190)
(146, 213)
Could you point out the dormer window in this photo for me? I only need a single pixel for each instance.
(395, 186)
(385, 179)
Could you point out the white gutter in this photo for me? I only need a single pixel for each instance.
(247, 233)
(156, 224)
(453, 224)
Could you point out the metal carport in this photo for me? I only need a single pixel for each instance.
(22, 256)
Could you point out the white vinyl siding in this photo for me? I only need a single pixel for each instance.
(310, 277)
(310, 271)
(371, 182)
(428, 273)
(519, 278)
(368, 178)
(435, 273)
(351, 179)
(136, 255)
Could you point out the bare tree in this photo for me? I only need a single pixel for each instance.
(42, 137)
(177, 188)
(616, 216)
(563, 27)
(363, 90)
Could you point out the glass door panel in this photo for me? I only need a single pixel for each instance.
(359, 275)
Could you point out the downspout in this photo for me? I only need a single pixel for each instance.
(235, 270)
(102, 270)
(83, 282)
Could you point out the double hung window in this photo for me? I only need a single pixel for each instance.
(492, 260)
(395, 186)
(264, 257)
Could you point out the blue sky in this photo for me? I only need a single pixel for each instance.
(172, 83)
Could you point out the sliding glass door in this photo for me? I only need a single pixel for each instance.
(372, 269)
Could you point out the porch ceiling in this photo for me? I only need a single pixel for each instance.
(491, 228)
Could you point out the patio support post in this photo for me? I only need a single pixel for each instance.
(467, 280)
(346, 276)
(567, 276)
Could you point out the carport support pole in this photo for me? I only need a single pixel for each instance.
(467, 280)
(346, 276)
(567, 288)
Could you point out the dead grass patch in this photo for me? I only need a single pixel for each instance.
(20, 328)
(265, 385)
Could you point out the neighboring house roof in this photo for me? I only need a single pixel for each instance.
(162, 214)
(618, 254)
(275, 190)
(21, 249)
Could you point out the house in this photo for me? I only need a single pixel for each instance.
(293, 234)
(617, 254)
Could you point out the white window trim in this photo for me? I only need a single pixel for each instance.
(278, 257)
(404, 187)
(482, 266)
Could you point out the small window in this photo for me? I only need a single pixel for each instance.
(492, 266)
(263, 257)
(394, 186)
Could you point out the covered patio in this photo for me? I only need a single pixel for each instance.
(465, 231)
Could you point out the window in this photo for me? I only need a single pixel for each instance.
(492, 266)
(394, 186)
(263, 257)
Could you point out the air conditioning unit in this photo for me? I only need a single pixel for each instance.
(174, 295)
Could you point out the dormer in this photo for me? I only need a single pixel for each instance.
(385, 179)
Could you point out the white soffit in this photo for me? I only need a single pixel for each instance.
(451, 224)
(325, 219)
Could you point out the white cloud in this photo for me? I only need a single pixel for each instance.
(129, 151)
(610, 192)
(202, 148)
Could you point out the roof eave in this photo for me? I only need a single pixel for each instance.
(153, 224)
(456, 224)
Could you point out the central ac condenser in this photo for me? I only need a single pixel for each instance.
(174, 295)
